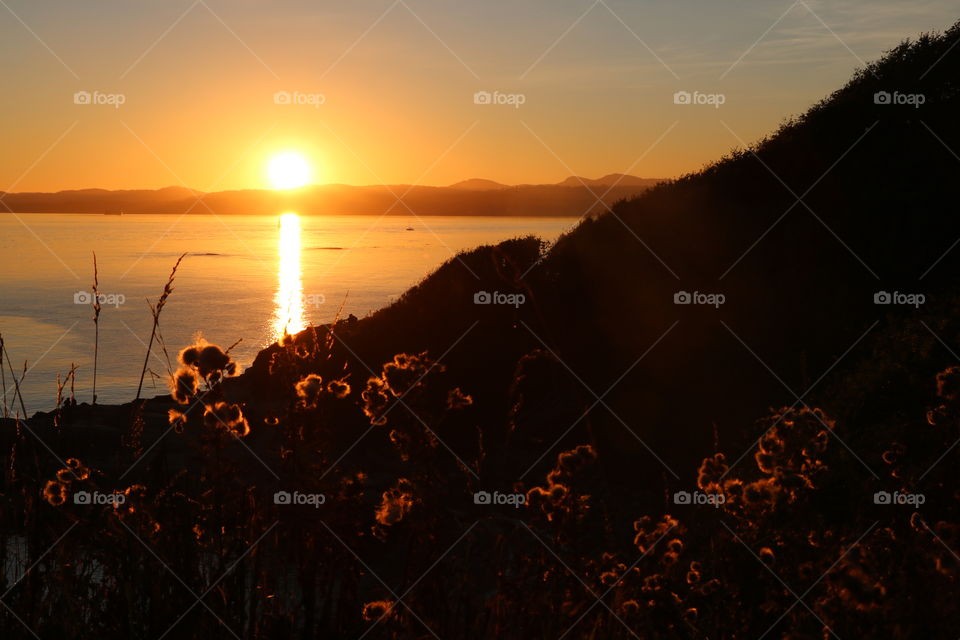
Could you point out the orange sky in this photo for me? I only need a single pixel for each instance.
(387, 88)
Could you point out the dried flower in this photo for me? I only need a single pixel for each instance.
(406, 372)
(184, 385)
(766, 554)
(229, 416)
(177, 419)
(55, 493)
(396, 503)
(375, 401)
(338, 388)
(208, 360)
(309, 389)
(948, 383)
(457, 399)
(377, 610)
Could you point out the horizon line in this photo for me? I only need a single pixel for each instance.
(585, 182)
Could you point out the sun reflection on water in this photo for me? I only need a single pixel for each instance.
(289, 316)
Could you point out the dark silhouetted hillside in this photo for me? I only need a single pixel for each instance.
(879, 186)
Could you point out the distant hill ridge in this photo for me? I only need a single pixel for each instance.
(479, 184)
(609, 180)
(573, 197)
(613, 179)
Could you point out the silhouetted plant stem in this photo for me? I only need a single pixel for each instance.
(96, 325)
(58, 417)
(3, 377)
(155, 311)
(13, 375)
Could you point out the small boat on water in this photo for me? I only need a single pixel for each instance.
(410, 229)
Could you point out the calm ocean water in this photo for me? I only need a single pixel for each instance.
(246, 277)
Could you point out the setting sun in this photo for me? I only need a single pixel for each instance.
(288, 171)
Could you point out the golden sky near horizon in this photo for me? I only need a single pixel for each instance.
(203, 93)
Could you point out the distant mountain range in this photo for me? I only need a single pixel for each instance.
(610, 180)
(573, 196)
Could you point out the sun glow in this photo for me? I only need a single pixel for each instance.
(289, 317)
(288, 171)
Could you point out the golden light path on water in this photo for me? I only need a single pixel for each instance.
(289, 315)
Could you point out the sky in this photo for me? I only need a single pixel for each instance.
(202, 93)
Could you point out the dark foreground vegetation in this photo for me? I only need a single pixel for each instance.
(594, 462)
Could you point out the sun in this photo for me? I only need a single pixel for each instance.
(288, 171)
